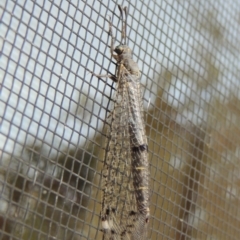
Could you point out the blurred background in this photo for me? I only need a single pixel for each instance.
(53, 112)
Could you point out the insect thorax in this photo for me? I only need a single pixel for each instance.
(124, 56)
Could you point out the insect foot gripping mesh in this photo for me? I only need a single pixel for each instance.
(125, 174)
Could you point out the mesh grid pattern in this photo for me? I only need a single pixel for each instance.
(53, 113)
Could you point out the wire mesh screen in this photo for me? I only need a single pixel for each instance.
(53, 113)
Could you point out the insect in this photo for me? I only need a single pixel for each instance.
(125, 174)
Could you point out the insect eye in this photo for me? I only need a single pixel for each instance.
(118, 50)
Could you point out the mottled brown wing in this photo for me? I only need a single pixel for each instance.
(119, 206)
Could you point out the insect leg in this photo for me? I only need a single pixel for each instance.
(114, 78)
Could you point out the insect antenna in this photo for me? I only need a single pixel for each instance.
(111, 35)
(124, 23)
